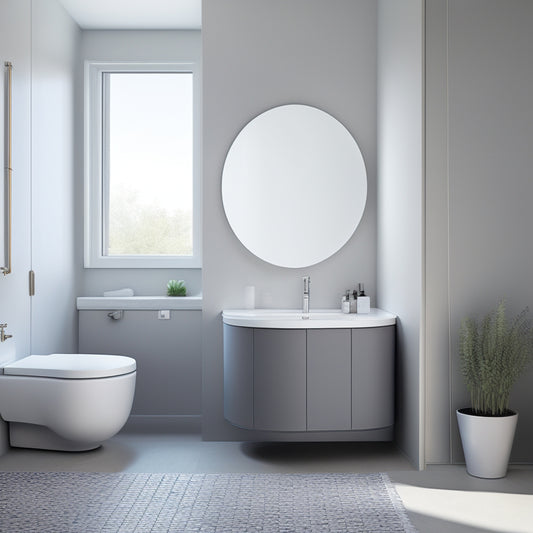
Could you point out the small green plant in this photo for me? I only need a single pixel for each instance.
(176, 288)
(494, 353)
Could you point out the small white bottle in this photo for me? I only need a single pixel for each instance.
(249, 297)
(363, 301)
(345, 303)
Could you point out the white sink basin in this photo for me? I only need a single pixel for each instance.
(315, 319)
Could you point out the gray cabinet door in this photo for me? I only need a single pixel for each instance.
(373, 377)
(279, 379)
(329, 379)
(238, 376)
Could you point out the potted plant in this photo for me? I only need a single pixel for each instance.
(494, 353)
(176, 288)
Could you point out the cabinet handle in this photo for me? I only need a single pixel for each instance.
(31, 281)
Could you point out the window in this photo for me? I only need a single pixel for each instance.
(142, 186)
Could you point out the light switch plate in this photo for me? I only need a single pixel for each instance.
(163, 314)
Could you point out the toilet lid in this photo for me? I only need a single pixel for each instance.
(72, 366)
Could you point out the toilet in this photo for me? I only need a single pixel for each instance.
(67, 402)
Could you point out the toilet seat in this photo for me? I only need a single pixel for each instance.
(71, 366)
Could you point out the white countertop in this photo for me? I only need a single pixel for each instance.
(139, 303)
(316, 319)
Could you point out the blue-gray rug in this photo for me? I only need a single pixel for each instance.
(77, 502)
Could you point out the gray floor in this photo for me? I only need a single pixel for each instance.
(439, 499)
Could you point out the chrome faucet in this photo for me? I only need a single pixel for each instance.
(3, 335)
(307, 294)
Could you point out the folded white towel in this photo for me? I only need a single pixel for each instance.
(119, 292)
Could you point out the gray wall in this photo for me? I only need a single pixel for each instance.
(400, 207)
(168, 355)
(491, 183)
(437, 416)
(258, 55)
(486, 114)
(262, 54)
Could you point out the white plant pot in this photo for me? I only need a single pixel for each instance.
(487, 443)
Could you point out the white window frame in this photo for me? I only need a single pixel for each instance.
(94, 181)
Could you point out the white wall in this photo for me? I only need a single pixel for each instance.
(15, 46)
(258, 55)
(41, 41)
(128, 45)
(399, 204)
(55, 65)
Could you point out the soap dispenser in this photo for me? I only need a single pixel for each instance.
(345, 303)
(353, 302)
(363, 302)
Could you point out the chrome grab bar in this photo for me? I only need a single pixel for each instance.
(8, 171)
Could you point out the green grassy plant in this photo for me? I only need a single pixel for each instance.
(494, 353)
(176, 288)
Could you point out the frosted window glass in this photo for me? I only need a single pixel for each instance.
(148, 164)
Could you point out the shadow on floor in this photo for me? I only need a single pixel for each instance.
(110, 457)
(309, 452)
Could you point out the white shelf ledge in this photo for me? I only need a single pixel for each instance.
(138, 303)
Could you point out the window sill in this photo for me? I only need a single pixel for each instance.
(139, 303)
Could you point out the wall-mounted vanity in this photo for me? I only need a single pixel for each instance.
(294, 189)
(329, 372)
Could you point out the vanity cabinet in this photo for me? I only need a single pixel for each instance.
(329, 386)
(373, 377)
(309, 379)
(279, 381)
(238, 376)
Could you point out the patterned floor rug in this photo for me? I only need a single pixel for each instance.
(76, 502)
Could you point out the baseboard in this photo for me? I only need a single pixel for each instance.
(163, 424)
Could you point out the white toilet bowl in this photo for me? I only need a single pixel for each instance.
(69, 402)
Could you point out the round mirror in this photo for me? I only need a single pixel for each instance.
(294, 186)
